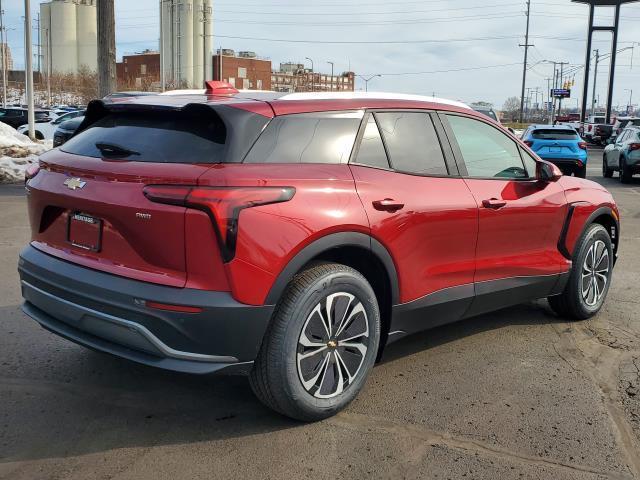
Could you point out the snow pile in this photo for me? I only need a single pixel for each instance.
(17, 152)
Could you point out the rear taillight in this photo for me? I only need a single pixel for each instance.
(634, 146)
(222, 204)
(31, 171)
(582, 145)
(590, 127)
(528, 143)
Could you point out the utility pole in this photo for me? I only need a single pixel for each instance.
(39, 49)
(526, 57)
(546, 106)
(28, 67)
(595, 81)
(331, 63)
(3, 59)
(106, 48)
(562, 64)
(163, 80)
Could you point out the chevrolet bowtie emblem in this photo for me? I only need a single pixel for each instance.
(74, 183)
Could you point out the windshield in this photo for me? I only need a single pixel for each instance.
(554, 134)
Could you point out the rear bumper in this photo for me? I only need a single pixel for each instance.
(107, 313)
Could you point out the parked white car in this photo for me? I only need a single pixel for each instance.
(45, 130)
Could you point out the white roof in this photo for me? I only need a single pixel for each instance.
(370, 95)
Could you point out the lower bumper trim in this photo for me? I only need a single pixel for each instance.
(99, 344)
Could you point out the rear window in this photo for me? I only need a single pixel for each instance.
(326, 137)
(554, 134)
(168, 137)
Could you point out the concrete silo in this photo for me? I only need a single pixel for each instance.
(64, 40)
(87, 35)
(186, 41)
(68, 32)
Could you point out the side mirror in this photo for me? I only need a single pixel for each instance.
(548, 172)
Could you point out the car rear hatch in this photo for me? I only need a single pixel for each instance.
(87, 205)
(556, 143)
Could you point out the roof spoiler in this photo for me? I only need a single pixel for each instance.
(215, 87)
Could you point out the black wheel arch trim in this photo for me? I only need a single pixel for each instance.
(328, 243)
(604, 210)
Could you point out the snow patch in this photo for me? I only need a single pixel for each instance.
(17, 152)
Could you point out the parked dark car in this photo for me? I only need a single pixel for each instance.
(66, 130)
(17, 117)
(291, 237)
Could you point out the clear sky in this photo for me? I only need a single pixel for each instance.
(460, 49)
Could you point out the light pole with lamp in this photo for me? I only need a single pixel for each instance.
(331, 63)
(630, 107)
(367, 80)
(313, 80)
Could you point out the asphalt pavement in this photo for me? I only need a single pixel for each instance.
(514, 394)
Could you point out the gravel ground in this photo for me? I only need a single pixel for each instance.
(514, 394)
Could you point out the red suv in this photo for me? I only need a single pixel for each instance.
(291, 237)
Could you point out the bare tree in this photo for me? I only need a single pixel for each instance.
(511, 108)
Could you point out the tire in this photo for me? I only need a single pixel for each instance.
(625, 175)
(577, 302)
(581, 172)
(288, 376)
(607, 172)
(39, 135)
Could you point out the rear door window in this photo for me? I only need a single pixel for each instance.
(326, 137)
(171, 137)
(371, 151)
(412, 143)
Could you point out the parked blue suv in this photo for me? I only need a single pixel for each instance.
(558, 144)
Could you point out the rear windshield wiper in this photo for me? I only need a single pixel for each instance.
(113, 150)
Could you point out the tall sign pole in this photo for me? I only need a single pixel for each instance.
(617, 4)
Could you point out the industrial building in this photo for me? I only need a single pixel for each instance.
(245, 71)
(68, 36)
(186, 41)
(139, 71)
(5, 56)
(294, 77)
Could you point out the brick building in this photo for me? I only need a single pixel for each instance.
(294, 77)
(244, 71)
(139, 71)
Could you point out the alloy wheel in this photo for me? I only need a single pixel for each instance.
(333, 345)
(595, 273)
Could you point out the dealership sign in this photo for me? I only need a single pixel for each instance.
(561, 92)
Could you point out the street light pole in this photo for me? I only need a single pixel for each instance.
(28, 70)
(331, 63)
(630, 100)
(312, 73)
(367, 80)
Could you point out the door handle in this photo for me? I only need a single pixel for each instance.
(494, 203)
(388, 205)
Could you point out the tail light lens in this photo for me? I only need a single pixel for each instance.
(590, 127)
(222, 204)
(634, 146)
(582, 145)
(528, 143)
(31, 171)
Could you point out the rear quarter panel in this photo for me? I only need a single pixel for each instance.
(269, 236)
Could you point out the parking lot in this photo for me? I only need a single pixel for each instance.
(513, 394)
